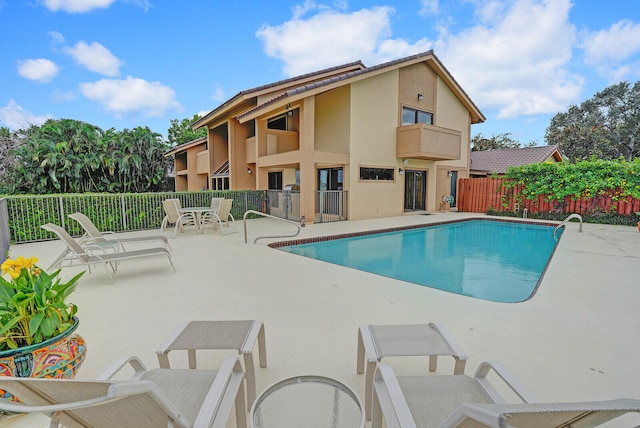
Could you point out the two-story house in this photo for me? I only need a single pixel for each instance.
(358, 142)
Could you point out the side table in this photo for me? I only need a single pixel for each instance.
(379, 341)
(307, 401)
(238, 335)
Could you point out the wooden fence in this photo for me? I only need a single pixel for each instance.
(478, 195)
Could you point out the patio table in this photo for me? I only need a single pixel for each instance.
(197, 214)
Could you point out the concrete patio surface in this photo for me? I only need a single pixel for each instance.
(576, 339)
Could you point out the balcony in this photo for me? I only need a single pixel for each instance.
(423, 141)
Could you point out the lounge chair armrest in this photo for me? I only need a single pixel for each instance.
(226, 390)
(509, 379)
(388, 395)
(459, 353)
(471, 411)
(138, 368)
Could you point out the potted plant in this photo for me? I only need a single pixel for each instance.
(36, 323)
(446, 202)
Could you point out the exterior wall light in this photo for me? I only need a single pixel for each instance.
(420, 97)
(249, 171)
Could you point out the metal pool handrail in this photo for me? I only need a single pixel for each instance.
(244, 220)
(566, 220)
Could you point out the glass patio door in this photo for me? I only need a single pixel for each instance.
(415, 190)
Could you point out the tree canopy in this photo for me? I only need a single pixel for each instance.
(605, 126)
(180, 131)
(70, 156)
(496, 142)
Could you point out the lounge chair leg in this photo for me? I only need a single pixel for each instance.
(250, 375)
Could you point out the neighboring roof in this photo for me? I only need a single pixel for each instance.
(497, 161)
(185, 146)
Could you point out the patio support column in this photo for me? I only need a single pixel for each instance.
(307, 165)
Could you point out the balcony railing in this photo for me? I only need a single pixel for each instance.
(423, 141)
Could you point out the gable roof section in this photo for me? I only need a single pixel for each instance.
(497, 161)
(271, 87)
(185, 146)
(348, 77)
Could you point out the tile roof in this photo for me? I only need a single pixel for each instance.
(497, 161)
(185, 146)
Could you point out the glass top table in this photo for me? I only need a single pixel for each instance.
(307, 401)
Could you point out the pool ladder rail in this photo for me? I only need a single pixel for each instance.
(566, 220)
(244, 220)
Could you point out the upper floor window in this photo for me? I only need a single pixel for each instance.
(411, 116)
(279, 122)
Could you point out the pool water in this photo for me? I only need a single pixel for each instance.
(500, 261)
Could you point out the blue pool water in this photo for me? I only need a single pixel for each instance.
(491, 260)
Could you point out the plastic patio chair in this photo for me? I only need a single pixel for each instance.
(211, 216)
(150, 398)
(175, 216)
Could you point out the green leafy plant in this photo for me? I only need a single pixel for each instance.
(32, 303)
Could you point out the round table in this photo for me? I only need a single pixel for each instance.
(307, 401)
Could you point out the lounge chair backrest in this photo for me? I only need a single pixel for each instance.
(94, 403)
(171, 209)
(87, 225)
(71, 243)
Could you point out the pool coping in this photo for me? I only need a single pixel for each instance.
(315, 239)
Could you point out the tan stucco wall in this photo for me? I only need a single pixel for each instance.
(332, 116)
(450, 113)
(374, 117)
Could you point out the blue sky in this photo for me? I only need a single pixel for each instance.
(126, 63)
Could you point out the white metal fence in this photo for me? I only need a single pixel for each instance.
(115, 212)
(5, 235)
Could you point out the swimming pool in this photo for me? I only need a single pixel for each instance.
(500, 261)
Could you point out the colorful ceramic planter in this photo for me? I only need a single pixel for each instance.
(59, 357)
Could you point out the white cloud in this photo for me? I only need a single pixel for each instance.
(519, 63)
(606, 49)
(131, 96)
(516, 58)
(218, 94)
(40, 70)
(61, 96)
(429, 7)
(95, 57)
(330, 38)
(15, 117)
(76, 6)
(56, 36)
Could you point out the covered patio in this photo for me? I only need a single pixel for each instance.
(575, 340)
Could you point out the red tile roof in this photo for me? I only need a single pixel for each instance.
(497, 161)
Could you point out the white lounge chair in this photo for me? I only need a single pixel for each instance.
(176, 217)
(463, 401)
(150, 398)
(89, 255)
(94, 235)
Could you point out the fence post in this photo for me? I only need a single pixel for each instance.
(124, 212)
(61, 211)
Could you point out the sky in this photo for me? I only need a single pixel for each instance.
(127, 63)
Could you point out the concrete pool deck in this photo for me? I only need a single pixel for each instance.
(575, 340)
